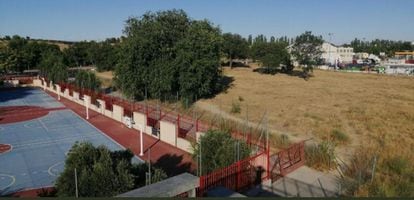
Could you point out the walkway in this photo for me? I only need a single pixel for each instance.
(306, 182)
(173, 160)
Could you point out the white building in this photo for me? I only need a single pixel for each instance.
(332, 54)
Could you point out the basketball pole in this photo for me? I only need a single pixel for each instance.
(141, 140)
(87, 112)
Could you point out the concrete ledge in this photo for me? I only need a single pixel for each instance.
(117, 113)
(170, 187)
(168, 133)
(184, 145)
(108, 113)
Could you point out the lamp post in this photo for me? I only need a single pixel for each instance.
(330, 41)
(141, 153)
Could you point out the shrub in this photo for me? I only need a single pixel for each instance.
(339, 136)
(321, 156)
(235, 107)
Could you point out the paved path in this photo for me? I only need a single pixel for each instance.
(306, 182)
(173, 160)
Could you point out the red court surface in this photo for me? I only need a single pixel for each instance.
(12, 114)
(4, 148)
(173, 160)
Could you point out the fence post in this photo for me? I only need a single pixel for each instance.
(268, 163)
(178, 124)
(238, 172)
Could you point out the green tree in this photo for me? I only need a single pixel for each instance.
(101, 173)
(52, 67)
(307, 51)
(218, 149)
(234, 46)
(88, 80)
(105, 56)
(198, 61)
(79, 54)
(156, 48)
(272, 55)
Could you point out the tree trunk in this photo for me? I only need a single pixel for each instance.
(231, 63)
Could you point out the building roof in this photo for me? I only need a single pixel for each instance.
(170, 187)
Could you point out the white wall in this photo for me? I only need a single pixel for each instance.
(168, 132)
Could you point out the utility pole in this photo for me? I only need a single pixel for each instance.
(330, 39)
(76, 184)
(200, 163)
(149, 165)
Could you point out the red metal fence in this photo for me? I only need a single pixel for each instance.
(287, 160)
(237, 176)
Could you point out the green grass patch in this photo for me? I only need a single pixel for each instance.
(321, 156)
(339, 136)
(235, 107)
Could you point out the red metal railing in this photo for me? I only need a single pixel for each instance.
(291, 158)
(237, 176)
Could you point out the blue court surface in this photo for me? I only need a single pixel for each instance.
(28, 97)
(39, 146)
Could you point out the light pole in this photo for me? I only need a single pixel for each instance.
(141, 153)
(86, 106)
(76, 184)
(330, 39)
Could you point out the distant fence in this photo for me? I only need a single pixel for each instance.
(23, 79)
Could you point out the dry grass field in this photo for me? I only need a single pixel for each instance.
(105, 77)
(369, 117)
(360, 107)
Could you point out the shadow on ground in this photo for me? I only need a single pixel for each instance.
(266, 70)
(235, 64)
(7, 94)
(172, 165)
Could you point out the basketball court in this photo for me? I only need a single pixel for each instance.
(36, 133)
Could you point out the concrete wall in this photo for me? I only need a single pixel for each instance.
(168, 133)
(37, 83)
(184, 145)
(87, 99)
(102, 106)
(117, 113)
(108, 113)
(198, 135)
(51, 86)
(139, 120)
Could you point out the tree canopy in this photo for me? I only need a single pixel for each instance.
(87, 80)
(166, 53)
(377, 46)
(307, 51)
(101, 173)
(218, 149)
(235, 46)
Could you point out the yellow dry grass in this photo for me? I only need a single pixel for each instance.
(105, 77)
(363, 106)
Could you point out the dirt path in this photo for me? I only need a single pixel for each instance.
(217, 111)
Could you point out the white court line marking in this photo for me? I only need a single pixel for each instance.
(44, 126)
(51, 167)
(12, 182)
(41, 141)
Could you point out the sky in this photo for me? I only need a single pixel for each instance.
(76, 20)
